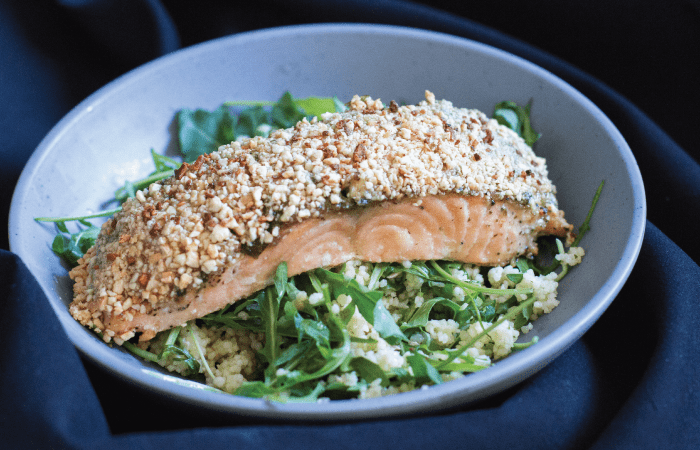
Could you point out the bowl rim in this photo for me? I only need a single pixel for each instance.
(441, 397)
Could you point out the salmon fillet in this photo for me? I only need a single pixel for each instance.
(378, 184)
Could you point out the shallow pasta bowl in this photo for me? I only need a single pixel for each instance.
(106, 140)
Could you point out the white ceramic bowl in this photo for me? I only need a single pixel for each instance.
(106, 139)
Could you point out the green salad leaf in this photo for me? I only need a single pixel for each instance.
(201, 132)
(423, 371)
(165, 167)
(286, 112)
(172, 351)
(72, 246)
(269, 305)
(517, 118)
(305, 343)
(316, 106)
(251, 122)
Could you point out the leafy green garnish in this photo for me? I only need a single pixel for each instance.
(517, 118)
(423, 371)
(269, 310)
(165, 167)
(201, 131)
(385, 325)
(585, 226)
(422, 315)
(304, 344)
(286, 112)
(310, 106)
(315, 106)
(172, 351)
(251, 122)
(72, 246)
(369, 370)
(368, 302)
(297, 364)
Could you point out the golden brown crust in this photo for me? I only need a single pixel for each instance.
(469, 229)
(178, 233)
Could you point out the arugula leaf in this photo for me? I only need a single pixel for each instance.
(311, 396)
(364, 299)
(467, 366)
(315, 330)
(281, 280)
(286, 112)
(476, 287)
(290, 378)
(512, 313)
(523, 318)
(334, 358)
(385, 325)
(417, 268)
(255, 389)
(368, 370)
(170, 350)
(201, 132)
(421, 316)
(250, 119)
(165, 167)
(294, 353)
(106, 213)
(515, 277)
(200, 351)
(163, 163)
(73, 246)
(523, 264)
(339, 106)
(488, 312)
(516, 118)
(585, 226)
(231, 319)
(519, 346)
(315, 106)
(368, 302)
(423, 371)
(269, 310)
(377, 273)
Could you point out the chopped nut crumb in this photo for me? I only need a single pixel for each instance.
(186, 228)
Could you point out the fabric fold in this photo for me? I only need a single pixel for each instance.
(134, 31)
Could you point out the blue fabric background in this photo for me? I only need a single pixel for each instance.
(615, 388)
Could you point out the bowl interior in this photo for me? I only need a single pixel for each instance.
(106, 140)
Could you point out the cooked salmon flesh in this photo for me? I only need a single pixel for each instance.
(375, 183)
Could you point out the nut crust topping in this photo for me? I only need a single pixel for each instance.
(182, 231)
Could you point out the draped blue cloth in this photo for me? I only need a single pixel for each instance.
(632, 381)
